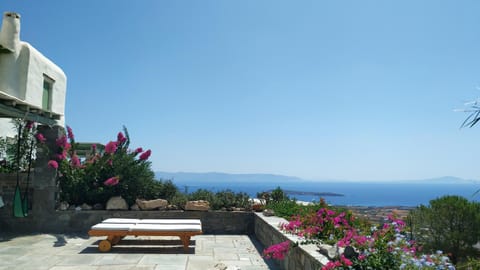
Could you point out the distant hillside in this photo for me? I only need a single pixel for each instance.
(451, 180)
(222, 178)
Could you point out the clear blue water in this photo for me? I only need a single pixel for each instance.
(356, 193)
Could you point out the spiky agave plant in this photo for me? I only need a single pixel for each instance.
(474, 110)
(472, 119)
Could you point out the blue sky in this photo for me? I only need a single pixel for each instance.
(357, 90)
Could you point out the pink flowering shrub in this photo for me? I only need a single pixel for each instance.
(325, 224)
(116, 171)
(53, 164)
(112, 181)
(277, 251)
(111, 147)
(40, 138)
(386, 247)
(145, 155)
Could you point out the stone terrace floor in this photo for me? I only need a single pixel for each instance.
(79, 252)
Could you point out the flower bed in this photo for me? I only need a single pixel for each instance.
(354, 246)
(302, 257)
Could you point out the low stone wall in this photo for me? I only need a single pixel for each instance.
(302, 257)
(213, 222)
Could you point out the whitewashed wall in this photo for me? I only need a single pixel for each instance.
(22, 72)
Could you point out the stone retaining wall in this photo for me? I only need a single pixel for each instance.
(301, 257)
(213, 222)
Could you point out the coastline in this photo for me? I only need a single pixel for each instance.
(377, 214)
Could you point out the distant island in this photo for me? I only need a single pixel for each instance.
(191, 178)
(310, 193)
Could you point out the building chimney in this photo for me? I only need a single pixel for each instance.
(10, 33)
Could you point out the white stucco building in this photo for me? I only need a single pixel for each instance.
(31, 86)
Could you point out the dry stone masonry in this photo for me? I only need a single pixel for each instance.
(197, 206)
(152, 204)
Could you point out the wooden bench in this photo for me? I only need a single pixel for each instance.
(116, 229)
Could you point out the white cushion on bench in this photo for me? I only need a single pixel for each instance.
(112, 226)
(152, 221)
(170, 221)
(121, 220)
(167, 227)
(147, 227)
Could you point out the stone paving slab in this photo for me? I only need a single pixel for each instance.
(79, 252)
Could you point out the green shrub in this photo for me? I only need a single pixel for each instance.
(285, 209)
(277, 195)
(168, 190)
(201, 194)
(289, 208)
(448, 223)
(179, 199)
(242, 200)
(228, 199)
(274, 196)
(222, 199)
(469, 264)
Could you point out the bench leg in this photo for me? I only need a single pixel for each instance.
(185, 241)
(114, 239)
(104, 246)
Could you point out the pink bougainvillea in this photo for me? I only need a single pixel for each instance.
(40, 138)
(328, 226)
(52, 164)
(121, 138)
(75, 161)
(100, 170)
(61, 156)
(277, 251)
(62, 141)
(112, 181)
(145, 155)
(70, 133)
(111, 147)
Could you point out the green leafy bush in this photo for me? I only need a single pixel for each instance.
(277, 195)
(285, 209)
(168, 190)
(221, 199)
(229, 199)
(179, 199)
(448, 223)
(469, 264)
(201, 194)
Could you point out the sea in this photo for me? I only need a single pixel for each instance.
(376, 194)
